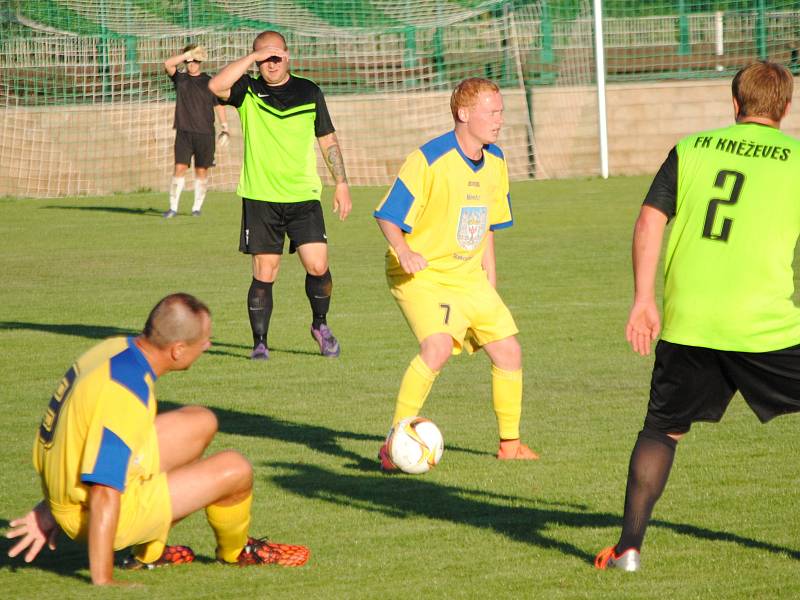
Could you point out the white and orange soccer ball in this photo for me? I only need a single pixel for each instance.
(415, 445)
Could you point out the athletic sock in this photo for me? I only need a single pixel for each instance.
(318, 290)
(414, 389)
(149, 552)
(507, 401)
(259, 308)
(175, 189)
(651, 461)
(200, 187)
(230, 525)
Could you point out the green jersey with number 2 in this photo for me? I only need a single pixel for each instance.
(729, 282)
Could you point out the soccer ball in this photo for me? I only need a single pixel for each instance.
(415, 445)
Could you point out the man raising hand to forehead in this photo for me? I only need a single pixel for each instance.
(282, 114)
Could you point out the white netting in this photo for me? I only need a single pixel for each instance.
(85, 106)
(92, 114)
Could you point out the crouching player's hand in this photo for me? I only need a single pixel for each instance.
(36, 529)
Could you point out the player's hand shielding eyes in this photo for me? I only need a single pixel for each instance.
(199, 54)
(265, 52)
(36, 529)
(644, 325)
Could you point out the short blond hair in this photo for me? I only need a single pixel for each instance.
(763, 89)
(466, 93)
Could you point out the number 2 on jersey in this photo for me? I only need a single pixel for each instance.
(733, 198)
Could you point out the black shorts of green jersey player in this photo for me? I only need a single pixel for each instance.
(195, 108)
(282, 114)
(733, 196)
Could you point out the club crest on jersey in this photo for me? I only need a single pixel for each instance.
(471, 226)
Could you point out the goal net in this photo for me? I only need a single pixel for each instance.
(86, 108)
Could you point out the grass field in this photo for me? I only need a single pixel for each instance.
(76, 270)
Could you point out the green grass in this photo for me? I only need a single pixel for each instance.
(78, 269)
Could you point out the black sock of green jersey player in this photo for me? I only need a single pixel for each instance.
(651, 462)
(259, 308)
(318, 290)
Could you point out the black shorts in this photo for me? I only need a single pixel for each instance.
(696, 384)
(265, 225)
(199, 145)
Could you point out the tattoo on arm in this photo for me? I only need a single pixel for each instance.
(335, 162)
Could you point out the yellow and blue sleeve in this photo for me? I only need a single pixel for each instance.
(404, 201)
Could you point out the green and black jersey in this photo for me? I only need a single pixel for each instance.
(734, 194)
(280, 126)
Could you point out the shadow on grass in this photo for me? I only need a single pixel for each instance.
(92, 332)
(100, 332)
(68, 558)
(316, 437)
(143, 212)
(528, 520)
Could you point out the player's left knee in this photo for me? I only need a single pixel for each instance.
(317, 268)
(211, 422)
(237, 469)
(204, 422)
(507, 354)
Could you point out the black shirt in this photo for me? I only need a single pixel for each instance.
(194, 105)
(663, 192)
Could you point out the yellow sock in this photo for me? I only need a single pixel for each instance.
(507, 401)
(149, 552)
(414, 389)
(230, 525)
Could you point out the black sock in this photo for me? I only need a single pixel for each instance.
(651, 461)
(259, 308)
(318, 290)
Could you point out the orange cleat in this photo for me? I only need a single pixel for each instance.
(515, 450)
(172, 555)
(387, 466)
(263, 552)
(627, 561)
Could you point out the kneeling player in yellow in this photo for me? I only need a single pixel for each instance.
(439, 218)
(115, 475)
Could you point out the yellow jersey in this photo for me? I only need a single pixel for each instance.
(99, 426)
(445, 203)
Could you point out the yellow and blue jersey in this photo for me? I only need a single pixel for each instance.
(446, 204)
(99, 426)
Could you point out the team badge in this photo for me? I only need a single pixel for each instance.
(471, 226)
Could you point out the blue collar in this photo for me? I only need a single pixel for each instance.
(141, 360)
(475, 168)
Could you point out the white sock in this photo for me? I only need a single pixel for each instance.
(200, 187)
(175, 190)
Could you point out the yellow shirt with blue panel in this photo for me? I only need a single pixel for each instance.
(446, 203)
(99, 427)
